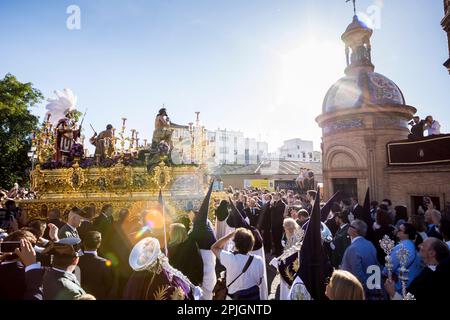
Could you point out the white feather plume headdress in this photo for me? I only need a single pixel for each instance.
(65, 101)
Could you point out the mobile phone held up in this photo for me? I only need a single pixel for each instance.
(9, 246)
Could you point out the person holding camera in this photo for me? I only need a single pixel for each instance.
(417, 128)
(244, 272)
(10, 216)
(12, 270)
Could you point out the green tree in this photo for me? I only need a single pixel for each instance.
(16, 126)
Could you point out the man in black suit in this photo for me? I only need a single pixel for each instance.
(357, 210)
(276, 218)
(104, 224)
(86, 224)
(331, 221)
(310, 199)
(252, 212)
(104, 221)
(97, 275)
(264, 222)
(341, 240)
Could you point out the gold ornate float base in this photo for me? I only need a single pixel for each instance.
(121, 186)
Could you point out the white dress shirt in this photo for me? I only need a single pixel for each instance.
(434, 128)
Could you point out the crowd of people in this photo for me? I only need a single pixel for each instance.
(91, 256)
(15, 193)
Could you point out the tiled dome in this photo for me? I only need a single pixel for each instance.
(347, 92)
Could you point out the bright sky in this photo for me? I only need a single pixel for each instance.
(258, 66)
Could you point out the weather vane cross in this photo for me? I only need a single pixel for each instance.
(354, 5)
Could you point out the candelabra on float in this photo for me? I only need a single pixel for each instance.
(122, 139)
(43, 141)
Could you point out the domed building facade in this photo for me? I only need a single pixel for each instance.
(365, 133)
(361, 113)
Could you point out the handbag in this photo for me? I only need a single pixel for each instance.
(247, 294)
(220, 291)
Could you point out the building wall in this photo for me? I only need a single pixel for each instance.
(251, 151)
(263, 151)
(220, 147)
(317, 156)
(230, 147)
(237, 181)
(405, 183)
(358, 151)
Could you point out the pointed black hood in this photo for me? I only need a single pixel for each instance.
(236, 220)
(222, 210)
(314, 265)
(202, 231)
(366, 216)
(325, 211)
(202, 215)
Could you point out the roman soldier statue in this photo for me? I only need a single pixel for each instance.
(62, 113)
(67, 134)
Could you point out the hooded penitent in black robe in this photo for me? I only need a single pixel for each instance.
(314, 264)
(203, 234)
(186, 257)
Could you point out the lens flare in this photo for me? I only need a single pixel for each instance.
(112, 259)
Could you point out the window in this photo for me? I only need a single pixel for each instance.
(304, 154)
(310, 155)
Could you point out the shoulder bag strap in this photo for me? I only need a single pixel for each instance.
(247, 265)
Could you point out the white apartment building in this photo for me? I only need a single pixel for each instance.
(229, 147)
(297, 150)
(194, 144)
(317, 155)
(262, 150)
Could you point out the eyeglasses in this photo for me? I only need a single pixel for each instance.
(353, 227)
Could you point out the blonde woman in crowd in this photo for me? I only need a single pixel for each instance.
(344, 286)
